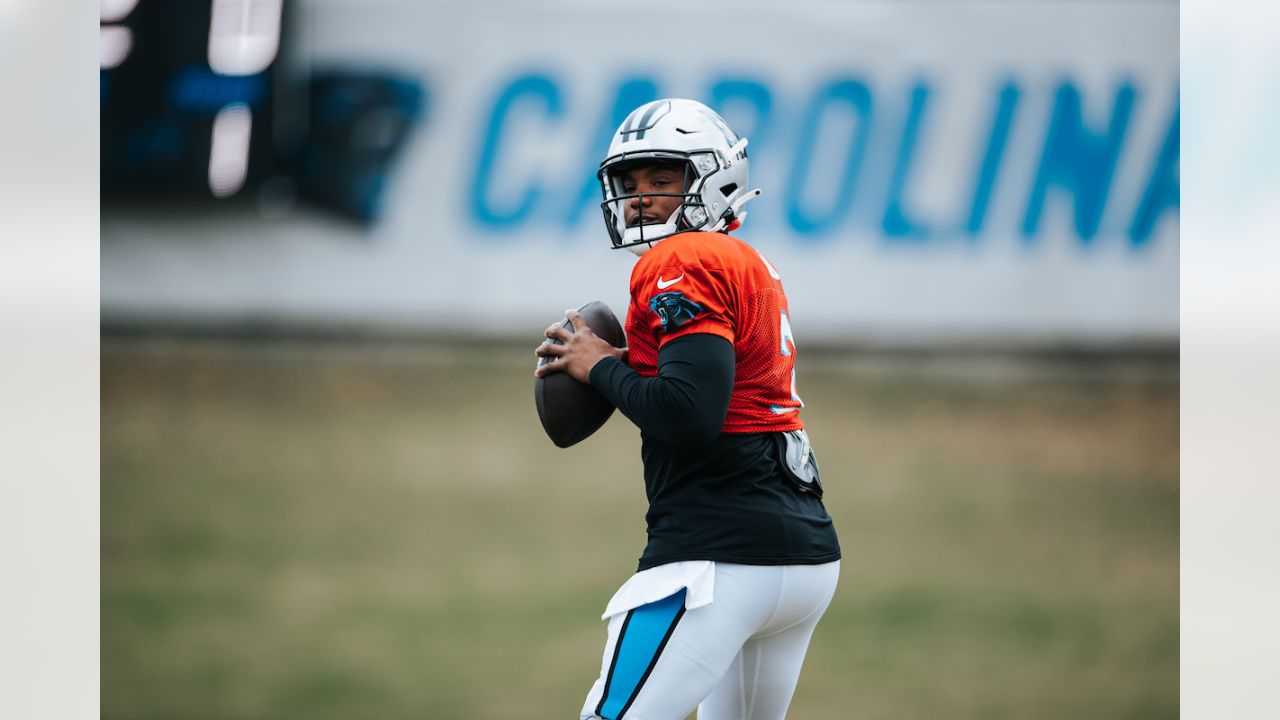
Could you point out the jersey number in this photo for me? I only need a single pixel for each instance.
(784, 331)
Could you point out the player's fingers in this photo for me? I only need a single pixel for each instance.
(579, 323)
(557, 332)
(548, 368)
(549, 349)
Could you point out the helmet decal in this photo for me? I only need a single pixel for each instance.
(635, 123)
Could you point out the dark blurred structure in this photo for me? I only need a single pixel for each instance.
(170, 121)
(199, 101)
(358, 124)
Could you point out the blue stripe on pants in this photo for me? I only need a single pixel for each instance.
(643, 635)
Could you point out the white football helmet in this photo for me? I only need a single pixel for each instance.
(675, 130)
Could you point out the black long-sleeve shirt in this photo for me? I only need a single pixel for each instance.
(685, 404)
(712, 495)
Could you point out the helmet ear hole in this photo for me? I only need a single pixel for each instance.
(727, 190)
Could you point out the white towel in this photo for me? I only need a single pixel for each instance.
(698, 577)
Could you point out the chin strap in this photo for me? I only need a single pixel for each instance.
(639, 250)
(663, 231)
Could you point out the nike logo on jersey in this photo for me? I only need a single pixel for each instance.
(664, 284)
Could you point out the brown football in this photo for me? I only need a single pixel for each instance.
(569, 410)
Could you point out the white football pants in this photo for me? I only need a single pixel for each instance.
(738, 657)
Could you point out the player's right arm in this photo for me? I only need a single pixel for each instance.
(577, 352)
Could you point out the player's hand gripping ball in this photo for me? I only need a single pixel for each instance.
(569, 408)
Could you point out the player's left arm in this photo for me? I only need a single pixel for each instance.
(686, 403)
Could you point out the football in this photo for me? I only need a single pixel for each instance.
(569, 410)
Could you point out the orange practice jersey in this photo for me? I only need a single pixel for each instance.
(700, 282)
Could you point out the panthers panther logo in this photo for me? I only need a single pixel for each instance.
(674, 309)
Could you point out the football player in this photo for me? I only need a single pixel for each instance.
(742, 558)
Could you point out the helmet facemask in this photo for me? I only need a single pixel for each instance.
(690, 215)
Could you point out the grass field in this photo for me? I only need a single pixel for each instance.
(323, 532)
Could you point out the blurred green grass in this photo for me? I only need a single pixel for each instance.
(310, 531)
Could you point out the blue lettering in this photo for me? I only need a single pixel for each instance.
(1000, 125)
(727, 93)
(1079, 160)
(530, 87)
(855, 94)
(896, 223)
(632, 93)
(1163, 189)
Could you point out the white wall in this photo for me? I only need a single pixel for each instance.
(1076, 238)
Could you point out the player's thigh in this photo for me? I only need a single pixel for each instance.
(660, 660)
(761, 681)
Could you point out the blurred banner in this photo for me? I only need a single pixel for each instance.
(933, 173)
